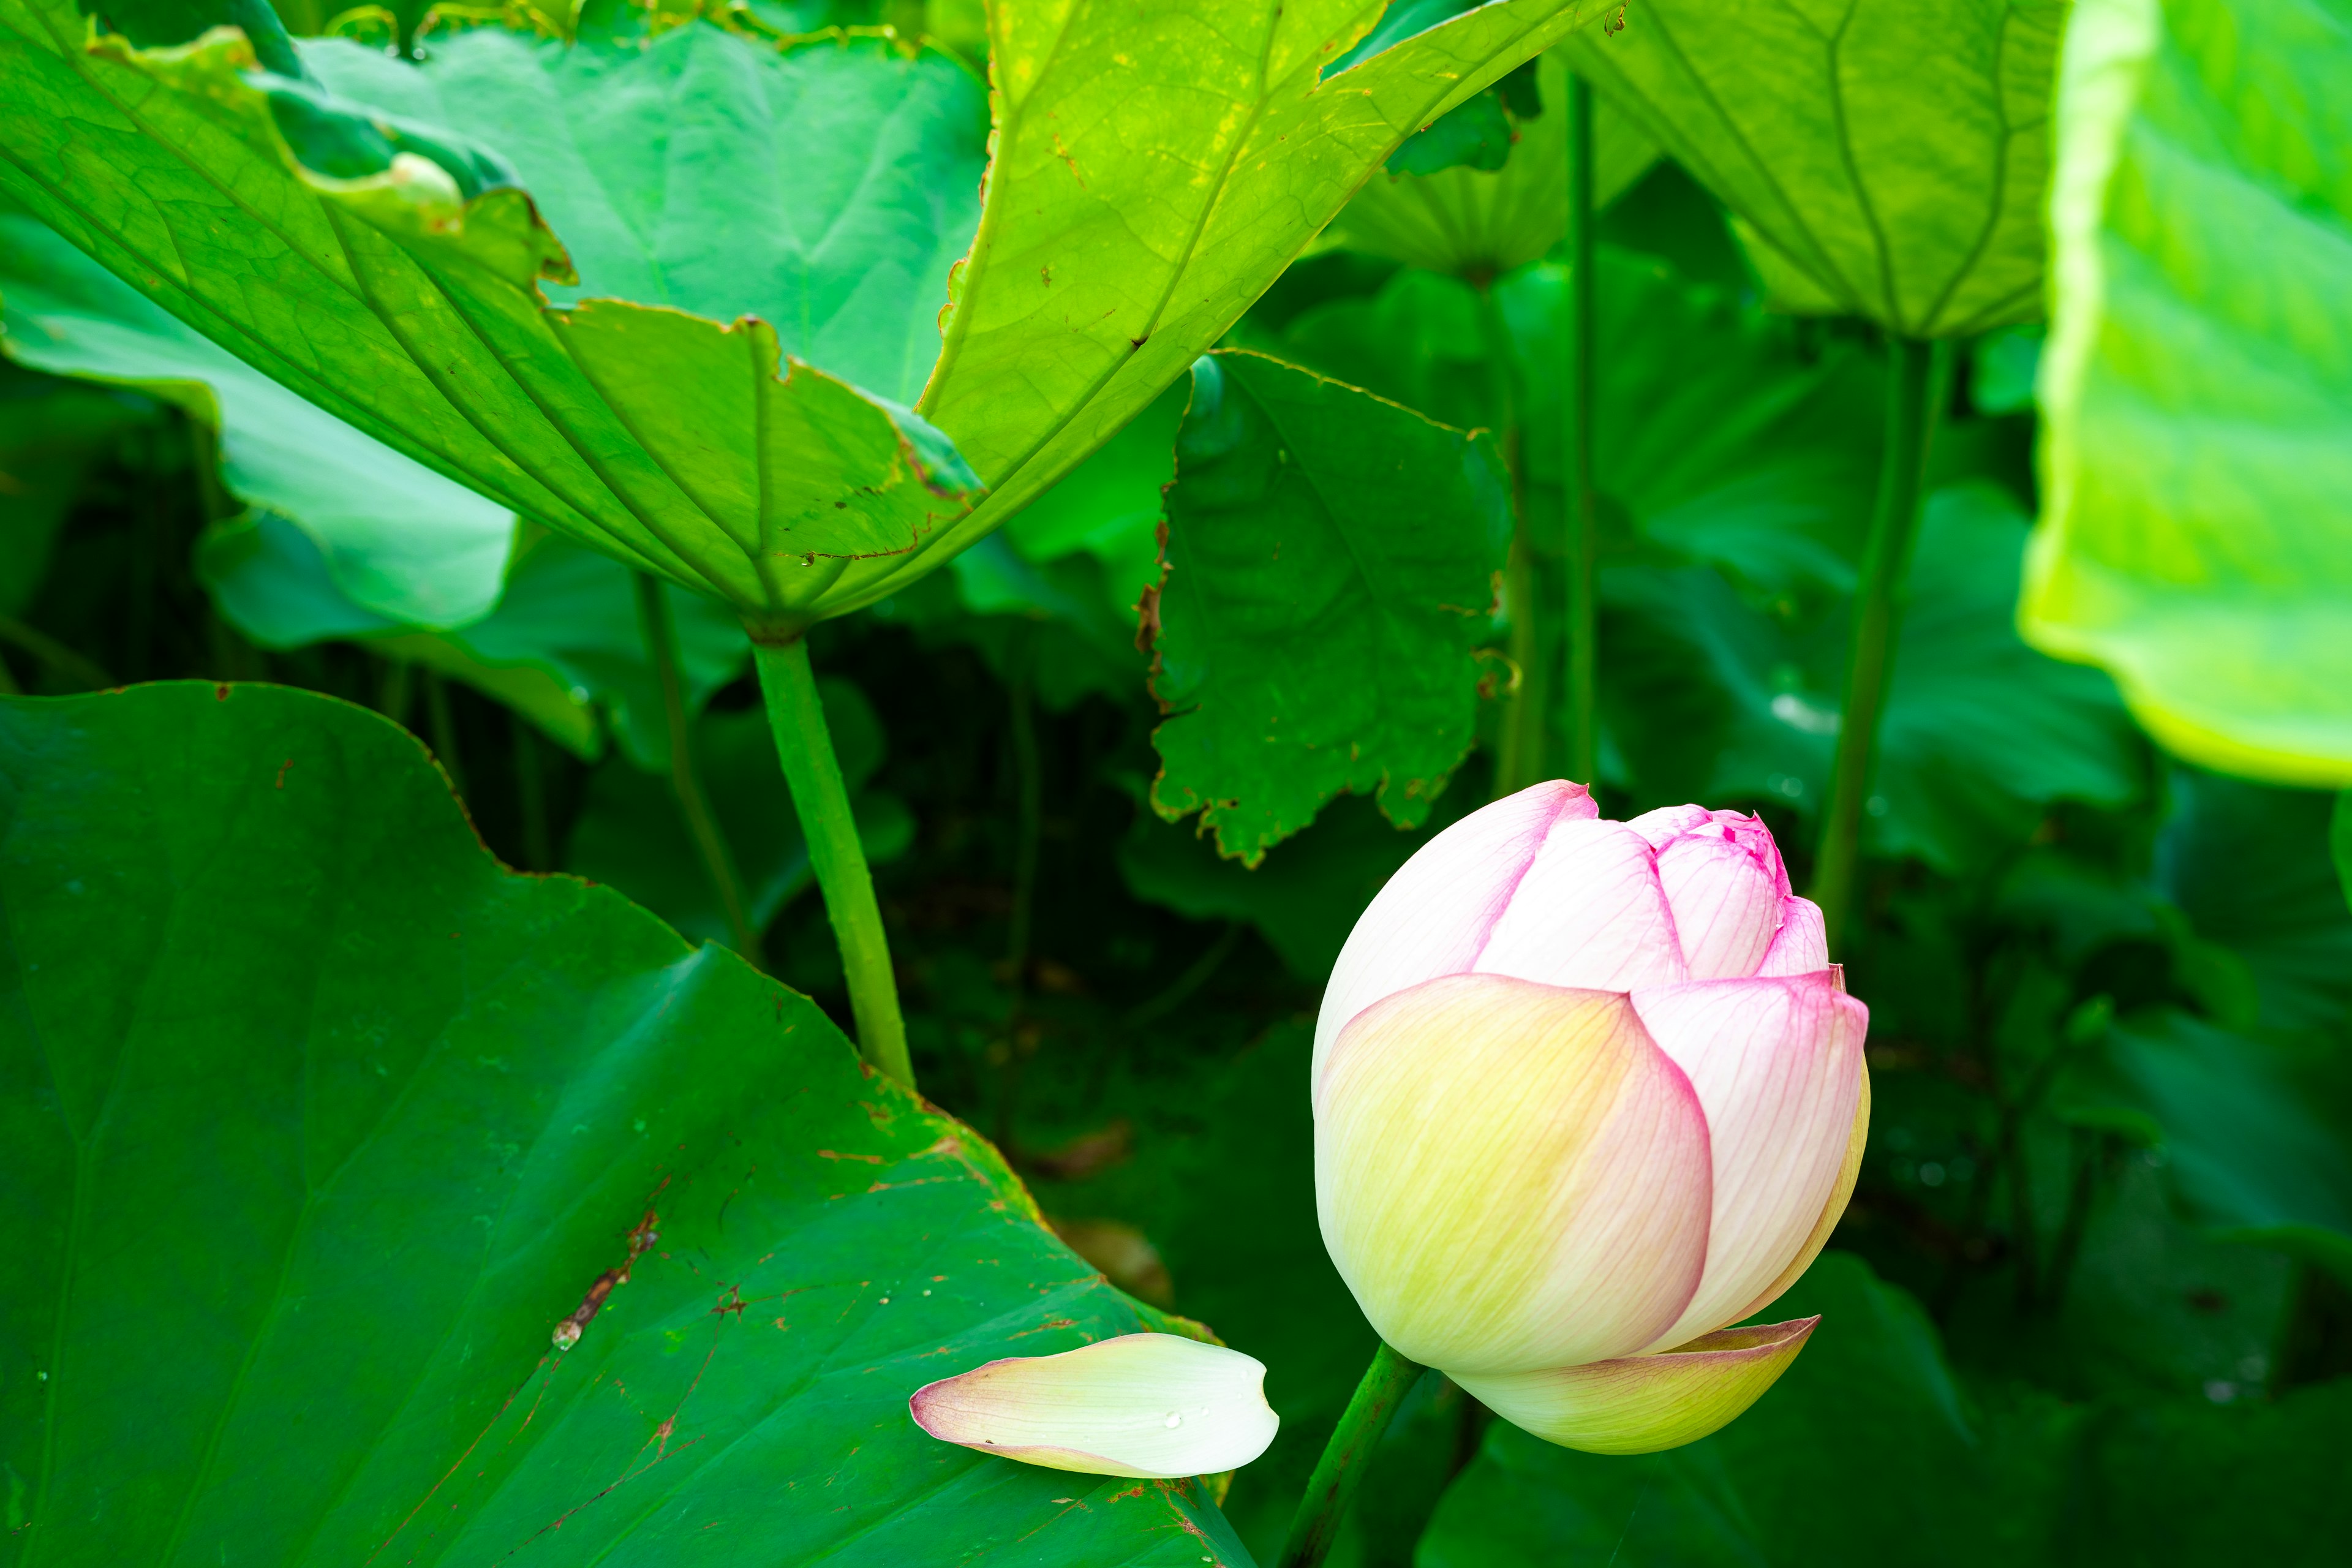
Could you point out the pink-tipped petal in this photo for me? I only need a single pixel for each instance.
(1777, 1063)
(1803, 945)
(1589, 913)
(1510, 1176)
(1436, 913)
(1640, 1405)
(1831, 1211)
(1661, 827)
(1726, 908)
(1139, 1404)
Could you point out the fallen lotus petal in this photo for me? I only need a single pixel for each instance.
(1150, 1406)
(1640, 1405)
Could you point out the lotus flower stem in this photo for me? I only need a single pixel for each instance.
(701, 823)
(1385, 1384)
(1583, 760)
(1915, 384)
(804, 746)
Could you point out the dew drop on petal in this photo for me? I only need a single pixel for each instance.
(1173, 1420)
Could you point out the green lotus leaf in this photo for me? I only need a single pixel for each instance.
(1883, 158)
(379, 1203)
(2197, 530)
(1333, 561)
(1156, 167)
(1153, 170)
(387, 266)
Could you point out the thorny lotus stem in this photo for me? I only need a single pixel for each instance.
(805, 747)
(701, 823)
(1337, 1473)
(1915, 385)
(1583, 760)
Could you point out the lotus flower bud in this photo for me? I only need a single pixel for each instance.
(1139, 1404)
(1585, 1092)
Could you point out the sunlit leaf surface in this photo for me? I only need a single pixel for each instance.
(1885, 158)
(2197, 536)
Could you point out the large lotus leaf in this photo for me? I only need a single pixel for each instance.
(388, 271)
(316, 1124)
(1163, 166)
(1157, 165)
(399, 543)
(825, 189)
(1479, 225)
(2197, 533)
(1884, 158)
(1332, 565)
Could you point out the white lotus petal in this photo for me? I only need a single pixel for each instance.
(1435, 914)
(1510, 1176)
(1777, 1063)
(1589, 912)
(1141, 1404)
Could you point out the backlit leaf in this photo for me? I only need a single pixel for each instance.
(1885, 158)
(2196, 532)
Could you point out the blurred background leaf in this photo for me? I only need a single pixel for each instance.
(2197, 536)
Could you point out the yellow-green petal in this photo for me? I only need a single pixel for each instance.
(1510, 1176)
(1641, 1405)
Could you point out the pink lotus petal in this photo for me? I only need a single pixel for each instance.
(1803, 945)
(1726, 910)
(1436, 913)
(1510, 1176)
(1857, 1139)
(1777, 1063)
(1640, 1405)
(1661, 827)
(1588, 912)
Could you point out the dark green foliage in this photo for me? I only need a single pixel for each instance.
(1331, 568)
